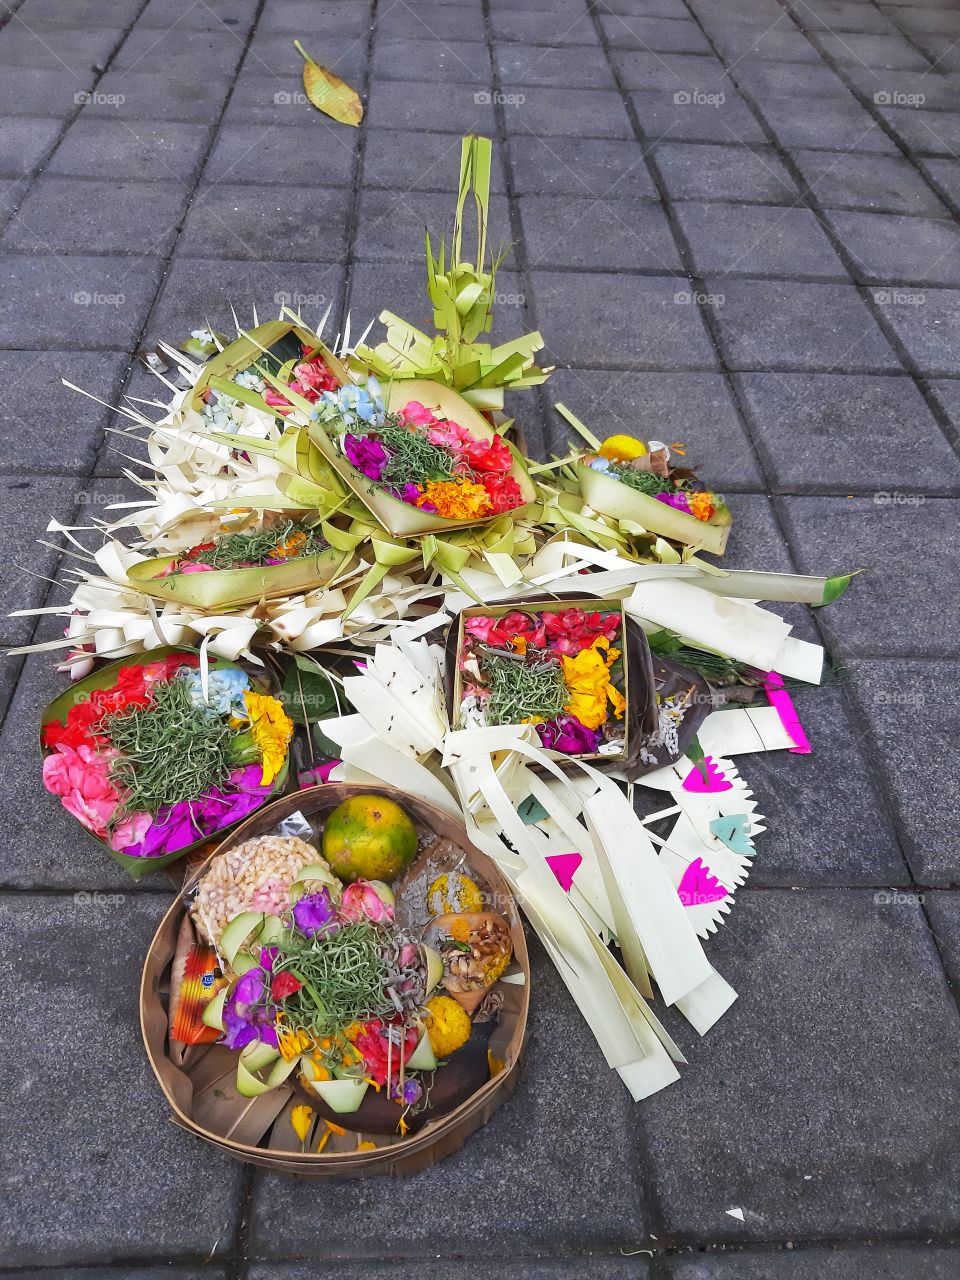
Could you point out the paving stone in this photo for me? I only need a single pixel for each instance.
(267, 100)
(200, 54)
(837, 124)
(270, 54)
(83, 13)
(115, 216)
(404, 105)
(568, 26)
(779, 324)
(880, 1262)
(553, 1132)
(153, 96)
(390, 221)
(454, 62)
(943, 910)
(121, 1136)
(918, 21)
(778, 42)
(844, 1086)
(841, 15)
(405, 161)
(24, 143)
(945, 174)
(70, 302)
(947, 392)
(260, 221)
(927, 133)
(758, 240)
(815, 827)
(702, 117)
(695, 408)
(45, 93)
(578, 67)
(136, 149)
(931, 90)
(703, 172)
(842, 433)
(649, 8)
(802, 79)
(665, 330)
(901, 538)
(662, 34)
(873, 51)
(594, 113)
(249, 153)
(604, 167)
(681, 74)
(46, 427)
(431, 22)
(198, 291)
(909, 706)
(601, 1268)
(891, 247)
(929, 330)
(302, 18)
(235, 15)
(601, 234)
(22, 45)
(28, 504)
(199, 1272)
(882, 184)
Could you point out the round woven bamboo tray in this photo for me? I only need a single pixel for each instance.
(199, 1088)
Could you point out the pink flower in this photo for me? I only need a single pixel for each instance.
(81, 779)
(196, 568)
(417, 415)
(450, 434)
(362, 901)
(131, 831)
(276, 400)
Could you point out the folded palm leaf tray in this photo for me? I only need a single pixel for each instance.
(403, 677)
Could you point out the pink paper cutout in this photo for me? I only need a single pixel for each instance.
(716, 779)
(781, 701)
(564, 866)
(321, 773)
(698, 886)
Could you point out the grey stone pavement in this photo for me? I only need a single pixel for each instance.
(735, 223)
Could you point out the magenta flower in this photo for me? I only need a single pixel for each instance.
(366, 454)
(567, 734)
(679, 501)
(314, 912)
(176, 826)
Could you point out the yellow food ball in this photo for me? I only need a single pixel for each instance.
(622, 448)
(449, 1026)
(452, 894)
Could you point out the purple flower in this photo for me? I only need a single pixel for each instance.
(567, 734)
(245, 1018)
(411, 1092)
(178, 825)
(679, 501)
(366, 454)
(314, 912)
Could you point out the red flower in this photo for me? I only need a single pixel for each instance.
(283, 985)
(372, 1044)
(571, 630)
(504, 492)
(490, 455)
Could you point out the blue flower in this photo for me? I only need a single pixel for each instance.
(225, 689)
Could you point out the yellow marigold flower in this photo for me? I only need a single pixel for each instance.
(457, 500)
(622, 448)
(587, 678)
(302, 1118)
(453, 892)
(292, 546)
(272, 730)
(366, 1146)
(449, 1026)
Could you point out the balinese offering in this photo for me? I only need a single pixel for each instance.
(477, 651)
(562, 670)
(351, 1012)
(152, 757)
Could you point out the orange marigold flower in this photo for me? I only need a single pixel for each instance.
(702, 505)
(457, 500)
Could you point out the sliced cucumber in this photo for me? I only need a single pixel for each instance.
(243, 962)
(257, 1055)
(434, 965)
(341, 1096)
(212, 1015)
(242, 926)
(310, 875)
(423, 1058)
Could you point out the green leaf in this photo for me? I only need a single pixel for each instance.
(695, 753)
(308, 694)
(328, 93)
